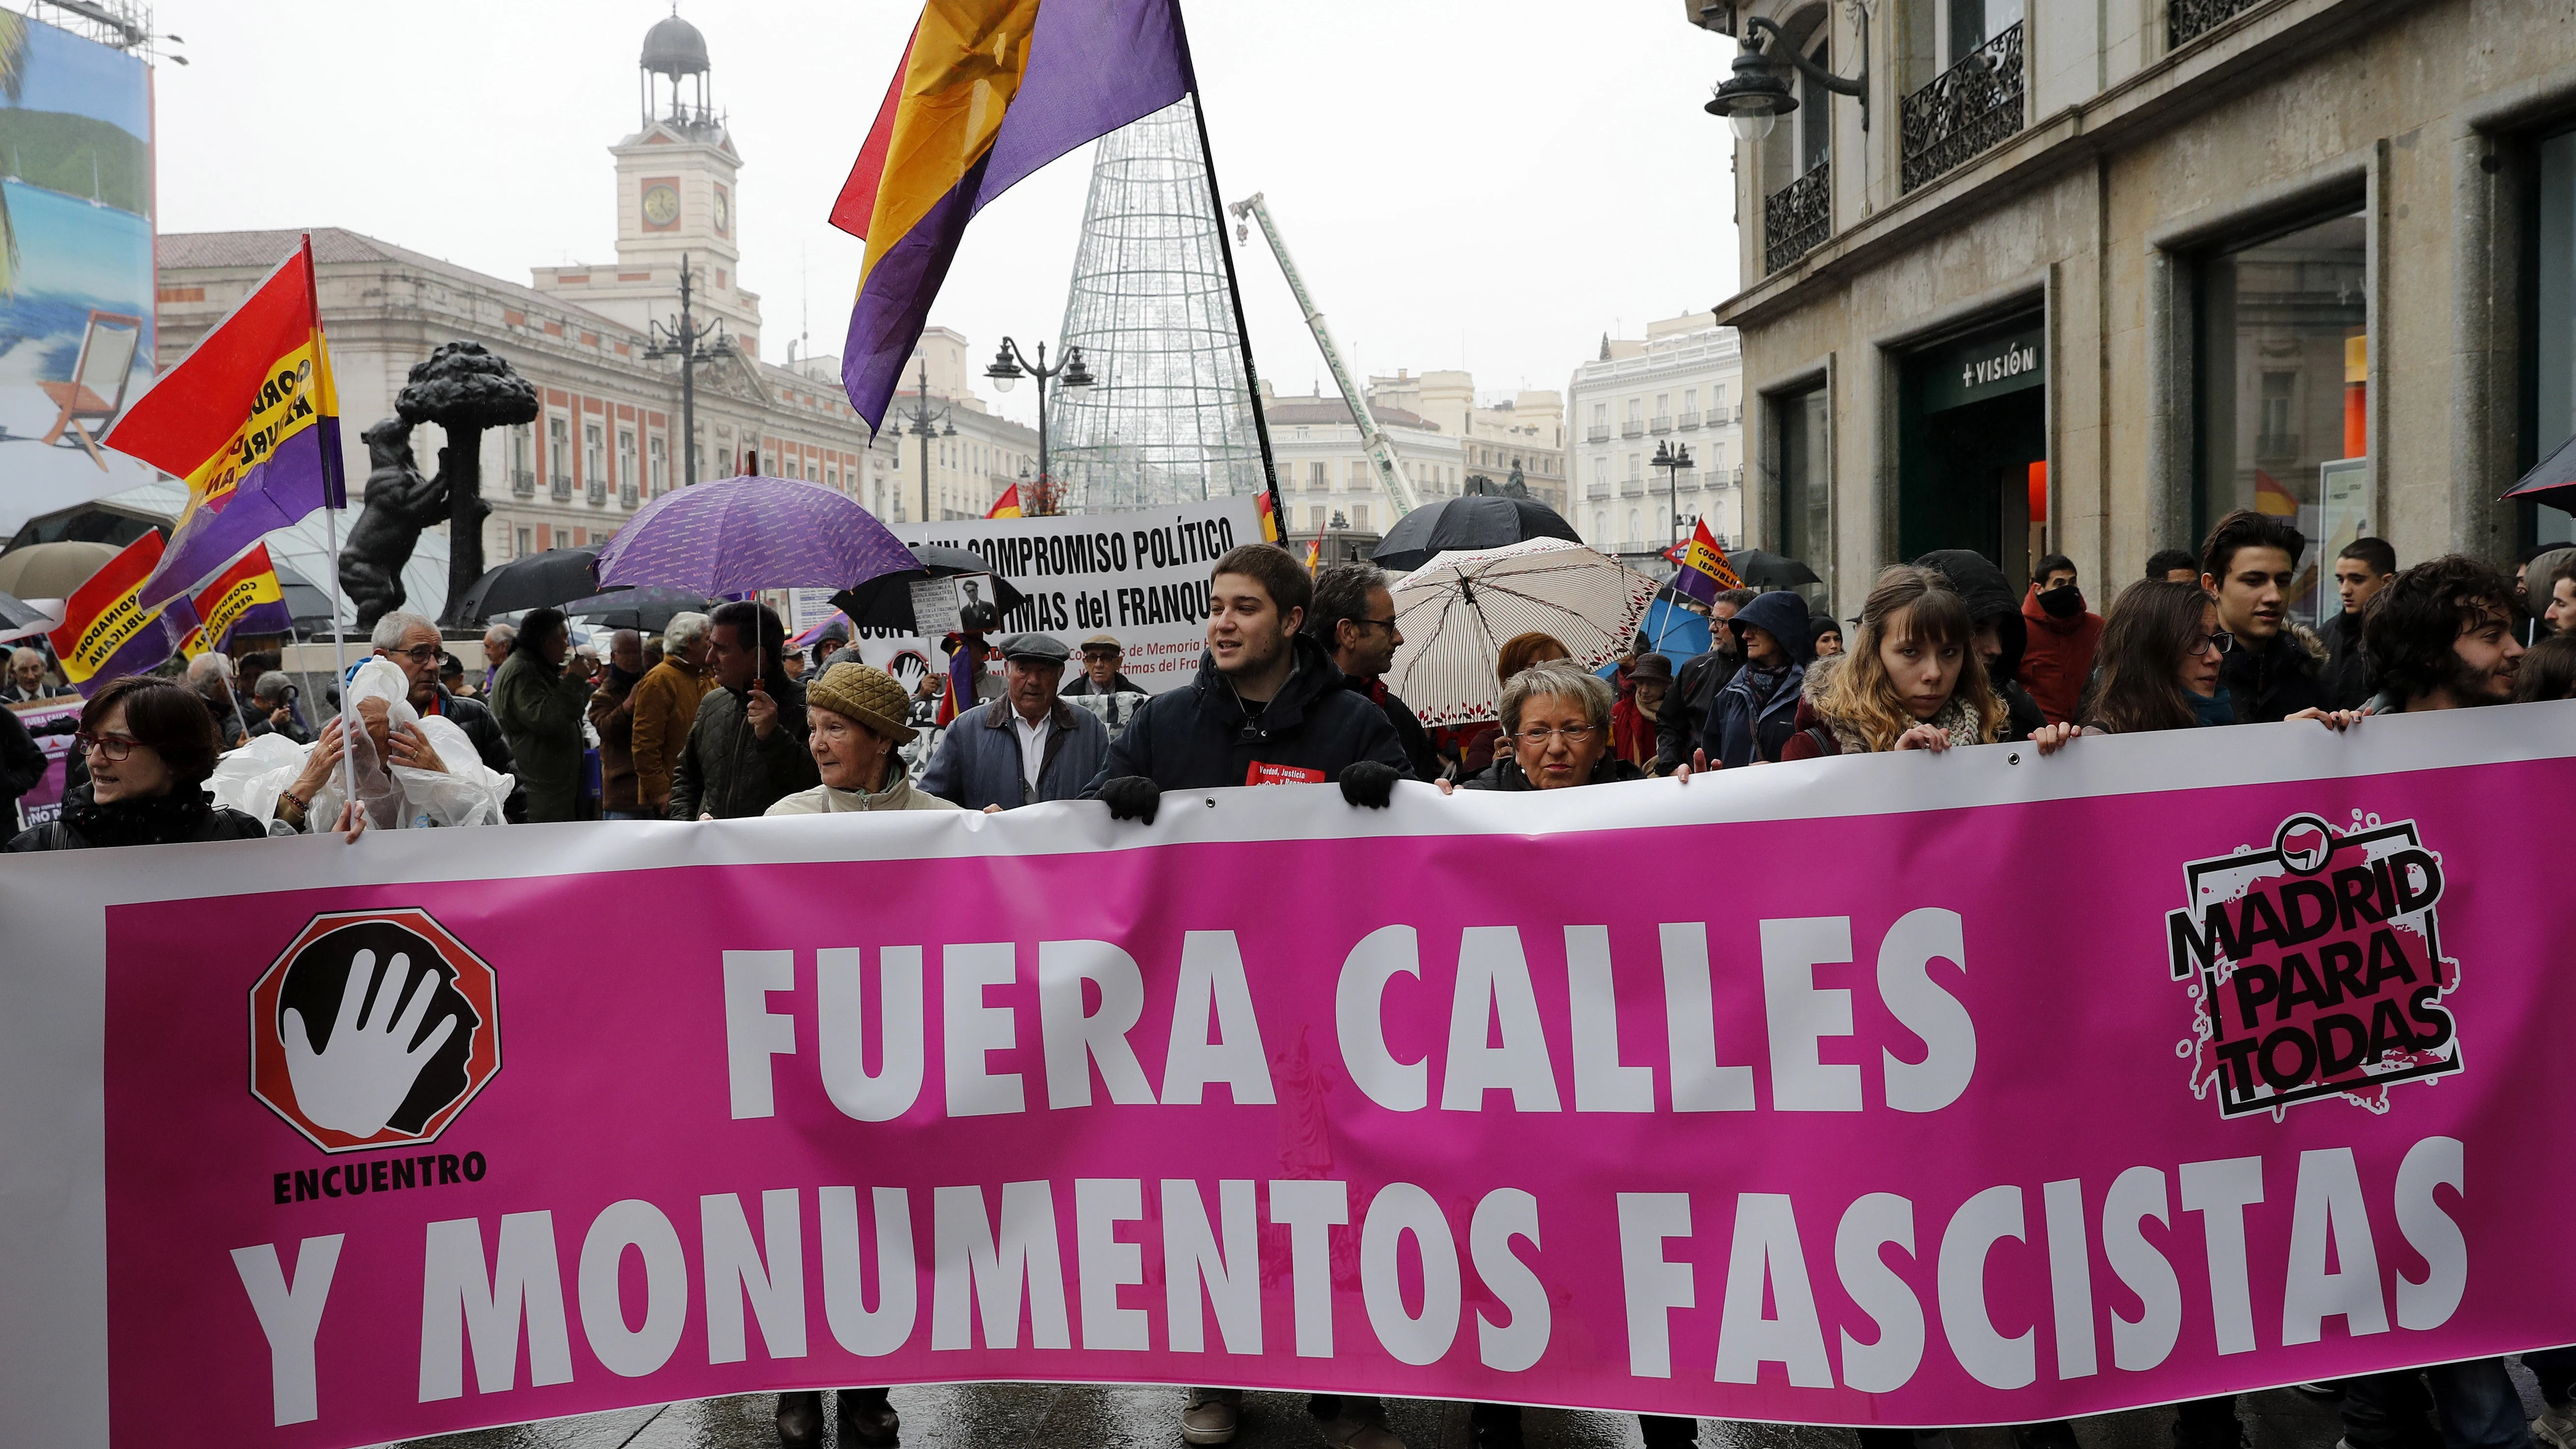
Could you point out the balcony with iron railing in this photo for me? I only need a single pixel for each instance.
(1687, 419)
(1797, 217)
(1595, 492)
(1600, 433)
(559, 486)
(597, 492)
(523, 482)
(1966, 111)
(1632, 487)
(1663, 423)
(626, 496)
(2189, 20)
(1633, 428)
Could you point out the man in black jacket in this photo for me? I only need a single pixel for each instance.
(1268, 707)
(412, 643)
(2363, 568)
(2248, 565)
(746, 750)
(1684, 717)
(1353, 618)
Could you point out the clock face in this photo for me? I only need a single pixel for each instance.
(724, 210)
(661, 205)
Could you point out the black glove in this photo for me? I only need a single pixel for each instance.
(1131, 797)
(1368, 783)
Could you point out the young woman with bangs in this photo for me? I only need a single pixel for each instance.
(1910, 681)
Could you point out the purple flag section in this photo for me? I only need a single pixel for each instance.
(292, 481)
(144, 652)
(268, 617)
(1094, 66)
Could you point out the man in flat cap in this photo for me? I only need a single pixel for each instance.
(1102, 687)
(1026, 746)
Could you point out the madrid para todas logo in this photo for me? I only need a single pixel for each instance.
(373, 1029)
(2315, 967)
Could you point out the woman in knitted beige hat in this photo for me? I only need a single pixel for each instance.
(856, 714)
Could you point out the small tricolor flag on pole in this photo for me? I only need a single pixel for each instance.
(1704, 572)
(243, 599)
(987, 92)
(1008, 505)
(250, 420)
(108, 632)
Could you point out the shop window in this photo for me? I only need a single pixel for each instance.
(1799, 421)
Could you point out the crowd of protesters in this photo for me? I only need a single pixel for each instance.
(718, 719)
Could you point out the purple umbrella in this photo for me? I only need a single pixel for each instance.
(737, 535)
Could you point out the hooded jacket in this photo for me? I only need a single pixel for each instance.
(540, 710)
(1684, 717)
(2057, 659)
(1755, 712)
(1989, 596)
(1202, 737)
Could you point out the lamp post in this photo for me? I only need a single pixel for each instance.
(1757, 95)
(692, 344)
(924, 422)
(1672, 460)
(1009, 366)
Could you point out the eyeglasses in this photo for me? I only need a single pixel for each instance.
(112, 748)
(1374, 623)
(1573, 735)
(2218, 643)
(421, 654)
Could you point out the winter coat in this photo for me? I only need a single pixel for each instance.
(1755, 712)
(666, 703)
(900, 794)
(612, 714)
(728, 771)
(1679, 724)
(1632, 730)
(22, 762)
(1409, 732)
(173, 819)
(1118, 684)
(2345, 679)
(2057, 657)
(1505, 774)
(540, 711)
(1202, 736)
(979, 761)
(1114, 711)
(2270, 682)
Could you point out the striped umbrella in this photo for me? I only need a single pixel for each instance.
(1456, 611)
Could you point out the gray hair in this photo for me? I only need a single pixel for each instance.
(503, 632)
(22, 654)
(209, 666)
(684, 631)
(1563, 679)
(273, 686)
(392, 627)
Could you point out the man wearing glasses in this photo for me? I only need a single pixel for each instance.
(412, 643)
(1354, 619)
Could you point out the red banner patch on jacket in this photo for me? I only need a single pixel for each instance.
(1263, 773)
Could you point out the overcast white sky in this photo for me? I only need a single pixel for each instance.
(1490, 184)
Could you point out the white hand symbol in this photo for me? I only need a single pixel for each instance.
(355, 1082)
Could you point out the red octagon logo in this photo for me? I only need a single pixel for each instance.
(373, 1029)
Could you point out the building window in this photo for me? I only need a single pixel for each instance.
(658, 461)
(594, 459)
(2552, 319)
(559, 458)
(1359, 517)
(526, 544)
(1805, 527)
(1359, 473)
(1319, 478)
(2283, 339)
(626, 467)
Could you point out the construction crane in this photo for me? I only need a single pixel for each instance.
(1390, 473)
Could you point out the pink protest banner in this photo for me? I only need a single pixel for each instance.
(1904, 1089)
(45, 801)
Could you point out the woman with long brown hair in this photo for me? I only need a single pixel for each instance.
(2158, 663)
(1911, 680)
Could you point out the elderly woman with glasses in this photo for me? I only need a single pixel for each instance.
(1555, 732)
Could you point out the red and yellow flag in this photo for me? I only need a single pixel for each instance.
(250, 420)
(1704, 572)
(245, 598)
(108, 631)
(1008, 505)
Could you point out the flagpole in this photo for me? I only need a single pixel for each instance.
(337, 483)
(1234, 291)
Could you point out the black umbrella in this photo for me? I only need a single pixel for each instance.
(2555, 472)
(885, 602)
(531, 581)
(649, 610)
(16, 613)
(1479, 520)
(1764, 570)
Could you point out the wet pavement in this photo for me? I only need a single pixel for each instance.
(990, 1416)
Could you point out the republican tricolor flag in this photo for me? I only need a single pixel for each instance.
(250, 420)
(987, 92)
(1704, 572)
(108, 631)
(1008, 505)
(243, 599)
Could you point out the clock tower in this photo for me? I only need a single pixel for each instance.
(675, 197)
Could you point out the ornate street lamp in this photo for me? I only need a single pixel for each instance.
(1673, 460)
(1758, 94)
(1009, 366)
